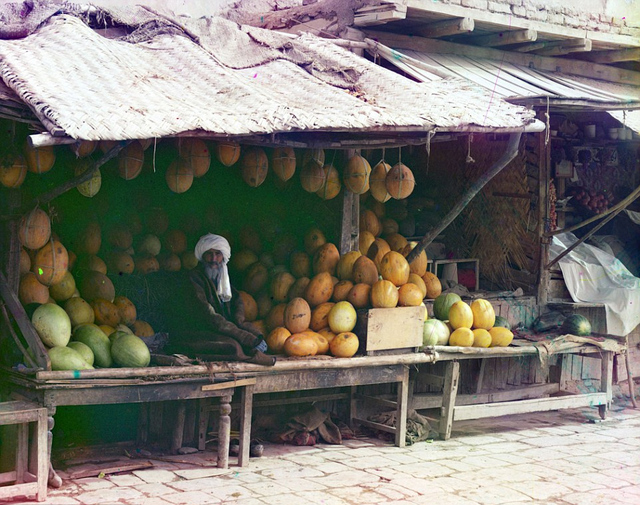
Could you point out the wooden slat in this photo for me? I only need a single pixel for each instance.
(446, 28)
(229, 384)
(462, 413)
(375, 426)
(108, 470)
(628, 54)
(29, 489)
(506, 38)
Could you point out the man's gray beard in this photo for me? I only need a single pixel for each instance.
(212, 273)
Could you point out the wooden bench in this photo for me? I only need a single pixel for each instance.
(31, 468)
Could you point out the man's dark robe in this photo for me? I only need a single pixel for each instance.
(201, 325)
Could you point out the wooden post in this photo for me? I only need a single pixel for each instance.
(606, 381)
(544, 176)
(349, 228)
(401, 411)
(246, 412)
(178, 427)
(224, 432)
(449, 394)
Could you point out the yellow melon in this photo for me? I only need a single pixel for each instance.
(433, 284)
(276, 339)
(417, 280)
(344, 345)
(301, 344)
(228, 152)
(384, 294)
(481, 338)
(378, 182)
(500, 337)
(460, 315)
(366, 239)
(356, 175)
(331, 185)
(394, 267)
(312, 177)
(13, 173)
(326, 258)
(250, 306)
(484, 316)
(462, 337)
(320, 316)
(409, 295)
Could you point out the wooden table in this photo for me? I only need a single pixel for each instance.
(454, 407)
(113, 386)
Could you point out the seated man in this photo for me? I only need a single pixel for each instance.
(208, 317)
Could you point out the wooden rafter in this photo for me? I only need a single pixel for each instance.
(507, 38)
(557, 48)
(445, 28)
(630, 54)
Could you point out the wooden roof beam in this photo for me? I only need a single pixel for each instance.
(631, 54)
(566, 47)
(379, 14)
(445, 28)
(507, 38)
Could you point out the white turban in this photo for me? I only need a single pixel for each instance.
(219, 243)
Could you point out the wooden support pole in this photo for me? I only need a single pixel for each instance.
(224, 432)
(447, 27)
(505, 159)
(566, 47)
(507, 38)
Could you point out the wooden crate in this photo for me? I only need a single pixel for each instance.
(390, 330)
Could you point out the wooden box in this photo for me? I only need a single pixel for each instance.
(390, 329)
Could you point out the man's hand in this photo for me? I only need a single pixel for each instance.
(262, 346)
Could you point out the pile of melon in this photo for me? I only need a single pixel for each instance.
(459, 324)
(375, 276)
(67, 310)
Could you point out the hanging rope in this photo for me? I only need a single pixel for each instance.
(155, 146)
(469, 158)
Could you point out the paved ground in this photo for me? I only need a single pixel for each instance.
(556, 458)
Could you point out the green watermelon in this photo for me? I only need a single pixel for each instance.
(502, 322)
(99, 343)
(84, 350)
(576, 325)
(65, 358)
(443, 303)
(52, 325)
(130, 351)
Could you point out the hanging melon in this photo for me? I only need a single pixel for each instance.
(25, 261)
(90, 187)
(356, 175)
(39, 159)
(84, 148)
(106, 145)
(196, 153)
(228, 152)
(312, 177)
(400, 181)
(315, 155)
(34, 229)
(378, 182)
(254, 166)
(12, 173)
(130, 161)
(331, 185)
(284, 162)
(179, 176)
(51, 263)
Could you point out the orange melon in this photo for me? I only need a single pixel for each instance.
(364, 242)
(394, 267)
(344, 268)
(356, 175)
(106, 312)
(396, 241)
(301, 345)
(419, 265)
(312, 177)
(179, 176)
(331, 185)
(433, 284)
(384, 294)
(146, 264)
(34, 229)
(96, 285)
(196, 153)
(84, 148)
(297, 315)
(284, 162)
(417, 280)
(31, 290)
(370, 222)
(254, 166)
(377, 251)
(276, 339)
(280, 286)
(313, 239)
(142, 329)
(364, 271)
(298, 288)
(320, 316)
(341, 291)
(130, 161)
(228, 152)
(90, 239)
(326, 259)
(315, 155)
(12, 174)
(169, 262)
(250, 306)
(359, 295)
(39, 159)
(344, 345)
(51, 263)
(300, 264)
(409, 295)
(126, 310)
(25, 262)
(92, 262)
(275, 317)
(256, 278)
(378, 182)
(400, 181)
(319, 289)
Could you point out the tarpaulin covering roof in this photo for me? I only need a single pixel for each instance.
(512, 81)
(173, 75)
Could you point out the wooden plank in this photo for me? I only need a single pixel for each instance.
(18, 490)
(628, 54)
(375, 426)
(566, 47)
(401, 412)
(396, 328)
(123, 467)
(432, 401)
(229, 384)
(465, 412)
(302, 380)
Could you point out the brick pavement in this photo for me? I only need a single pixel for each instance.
(568, 457)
